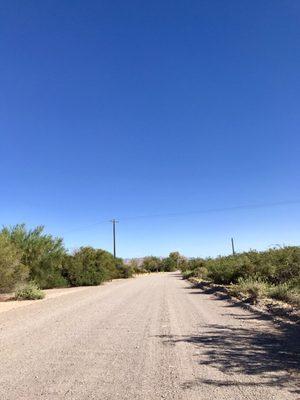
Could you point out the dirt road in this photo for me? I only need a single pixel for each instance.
(152, 337)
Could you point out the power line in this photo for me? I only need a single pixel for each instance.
(82, 228)
(204, 211)
(213, 210)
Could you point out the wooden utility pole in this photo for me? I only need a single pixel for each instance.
(232, 246)
(114, 236)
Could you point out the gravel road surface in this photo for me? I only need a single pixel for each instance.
(152, 337)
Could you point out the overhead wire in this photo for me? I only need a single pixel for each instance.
(183, 213)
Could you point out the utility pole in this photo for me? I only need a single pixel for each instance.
(114, 235)
(232, 245)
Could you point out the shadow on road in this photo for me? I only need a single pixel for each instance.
(271, 356)
(274, 358)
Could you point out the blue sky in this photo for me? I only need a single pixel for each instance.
(120, 109)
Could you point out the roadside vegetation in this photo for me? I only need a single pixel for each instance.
(29, 291)
(31, 260)
(173, 262)
(274, 273)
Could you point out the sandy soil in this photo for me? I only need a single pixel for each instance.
(152, 337)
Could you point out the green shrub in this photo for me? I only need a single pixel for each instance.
(187, 274)
(223, 272)
(250, 287)
(52, 279)
(42, 258)
(201, 272)
(140, 270)
(287, 263)
(174, 262)
(152, 264)
(273, 273)
(125, 271)
(12, 271)
(285, 292)
(274, 266)
(30, 291)
(133, 264)
(43, 254)
(196, 263)
(136, 266)
(88, 266)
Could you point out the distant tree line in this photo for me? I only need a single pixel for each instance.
(41, 260)
(273, 273)
(35, 257)
(31, 255)
(173, 262)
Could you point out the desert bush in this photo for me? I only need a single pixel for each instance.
(136, 267)
(12, 271)
(173, 262)
(43, 254)
(195, 263)
(133, 264)
(201, 272)
(43, 259)
(286, 261)
(152, 264)
(187, 274)
(273, 273)
(252, 288)
(125, 271)
(224, 270)
(285, 292)
(29, 291)
(88, 266)
(274, 266)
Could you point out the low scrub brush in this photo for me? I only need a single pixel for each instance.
(30, 291)
(187, 274)
(250, 287)
(286, 293)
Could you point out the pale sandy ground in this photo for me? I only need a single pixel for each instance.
(152, 337)
(50, 294)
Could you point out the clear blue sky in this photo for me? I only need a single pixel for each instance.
(125, 108)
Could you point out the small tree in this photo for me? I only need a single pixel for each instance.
(12, 271)
(152, 264)
(88, 266)
(174, 262)
(42, 253)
